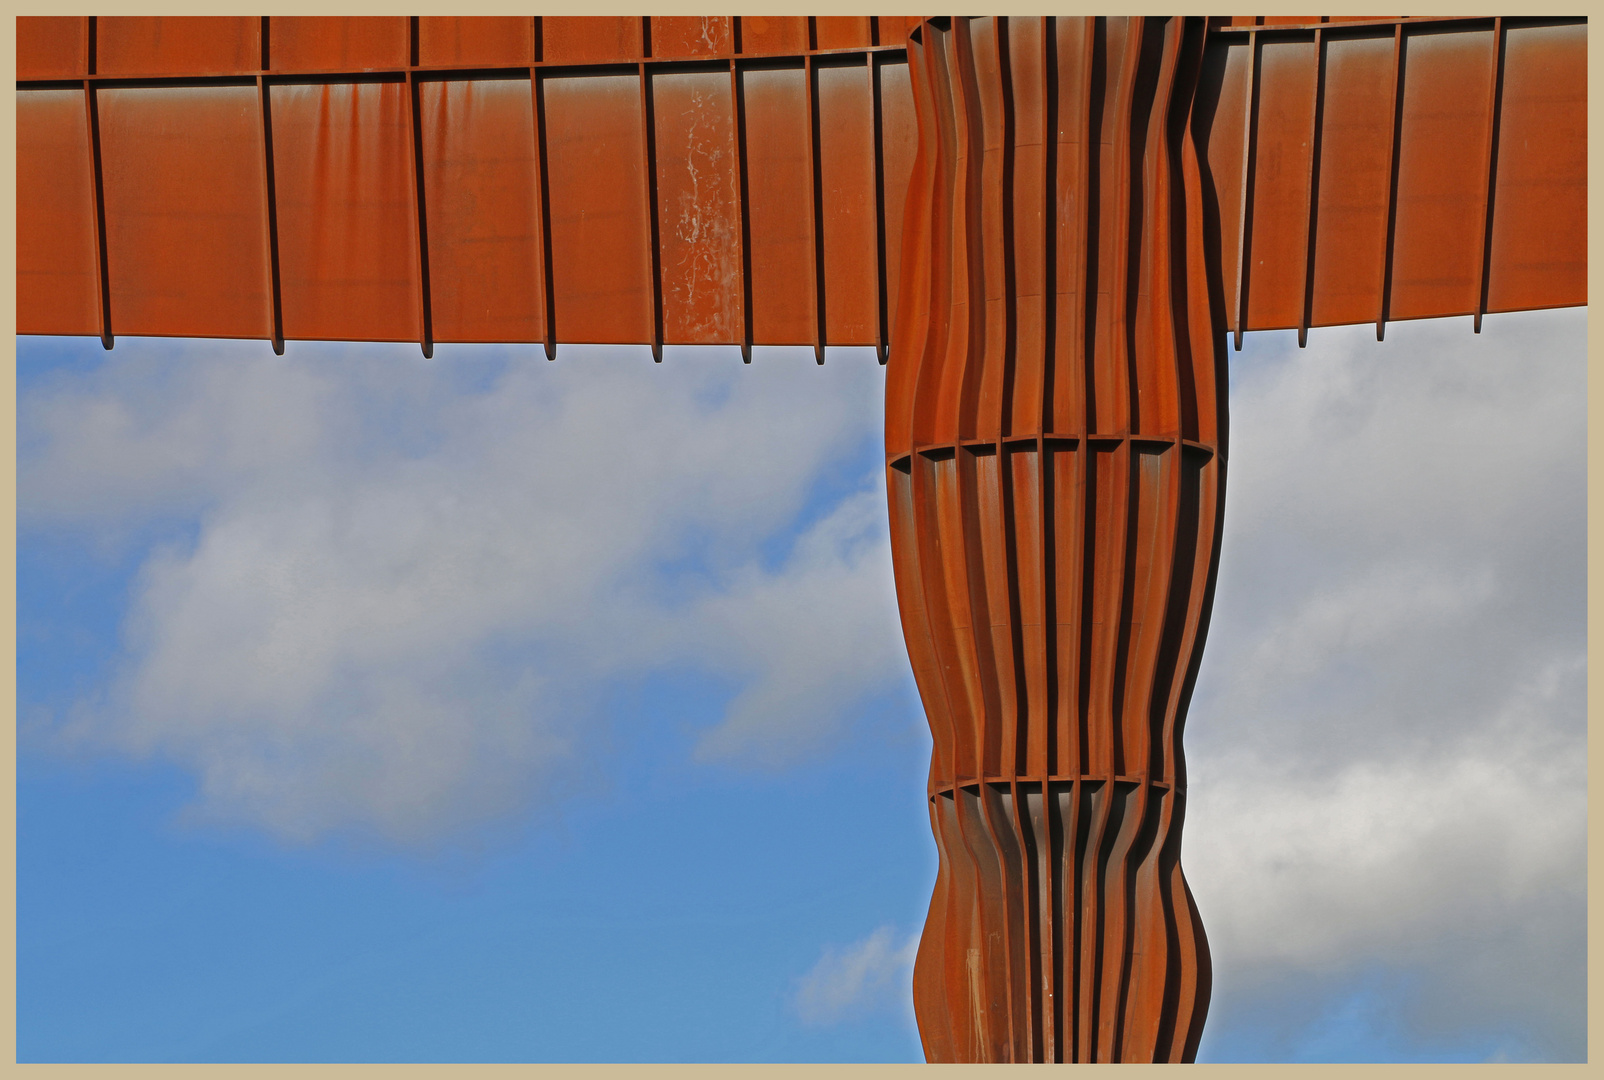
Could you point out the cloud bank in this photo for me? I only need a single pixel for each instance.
(390, 590)
(1388, 740)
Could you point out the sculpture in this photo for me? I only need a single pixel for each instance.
(1052, 224)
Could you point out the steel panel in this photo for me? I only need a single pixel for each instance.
(1473, 227)
(899, 140)
(186, 212)
(846, 173)
(1355, 180)
(773, 35)
(1442, 175)
(337, 43)
(590, 39)
(58, 278)
(479, 184)
(1072, 176)
(51, 47)
(600, 233)
(347, 214)
(842, 32)
(1539, 227)
(177, 44)
(1221, 129)
(476, 41)
(1030, 215)
(779, 204)
(1276, 244)
(676, 36)
(894, 29)
(698, 207)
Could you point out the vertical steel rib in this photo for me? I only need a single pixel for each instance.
(966, 350)
(415, 122)
(1396, 137)
(548, 315)
(1244, 243)
(648, 150)
(1312, 220)
(1495, 98)
(1005, 197)
(92, 120)
(873, 67)
(1049, 224)
(815, 202)
(275, 312)
(742, 201)
(932, 330)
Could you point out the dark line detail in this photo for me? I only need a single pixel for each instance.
(1091, 238)
(1496, 105)
(1050, 145)
(1399, 62)
(882, 329)
(270, 192)
(1312, 222)
(654, 256)
(433, 72)
(743, 205)
(96, 179)
(267, 54)
(816, 185)
(412, 43)
(1010, 358)
(543, 194)
(424, 299)
(1143, 82)
(1244, 245)
(91, 45)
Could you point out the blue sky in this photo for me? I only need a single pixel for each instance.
(375, 708)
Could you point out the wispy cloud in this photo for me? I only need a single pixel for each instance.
(869, 975)
(396, 587)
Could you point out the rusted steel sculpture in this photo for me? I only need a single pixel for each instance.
(1053, 224)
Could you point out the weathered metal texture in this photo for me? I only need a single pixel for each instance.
(1362, 170)
(673, 180)
(1059, 248)
(1370, 170)
(1055, 446)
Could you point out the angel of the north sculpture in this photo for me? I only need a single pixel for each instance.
(1047, 227)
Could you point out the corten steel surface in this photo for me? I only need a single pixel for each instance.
(1055, 224)
(1055, 429)
(726, 180)
(657, 180)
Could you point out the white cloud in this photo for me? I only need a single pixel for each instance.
(402, 580)
(1387, 744)
(405, 581)
(868, 975)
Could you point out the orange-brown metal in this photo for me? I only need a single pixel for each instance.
(669, 180)
(1051, 224)
(1371, 170)
(1055, 439)
(1356, 170)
